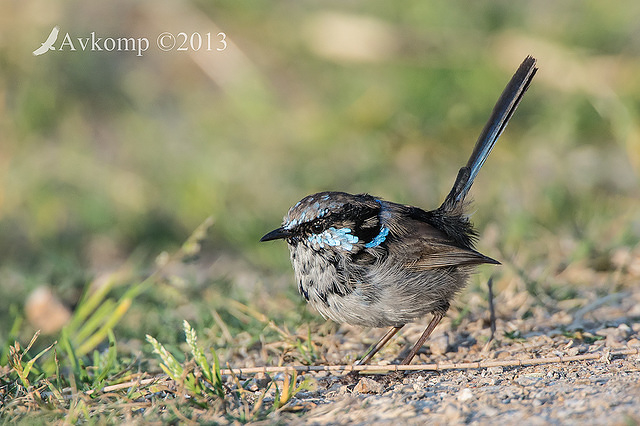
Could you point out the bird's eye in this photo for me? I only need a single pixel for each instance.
(316, 227)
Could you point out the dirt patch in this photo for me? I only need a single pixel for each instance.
(605, 390)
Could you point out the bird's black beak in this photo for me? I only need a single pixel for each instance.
(276, 234)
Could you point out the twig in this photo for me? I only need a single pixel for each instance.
(492, 310)
(427, 367)
(126, 385)
(383, 368)
(580, 313)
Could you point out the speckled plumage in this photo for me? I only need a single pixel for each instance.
(365, 261)
(412, 269)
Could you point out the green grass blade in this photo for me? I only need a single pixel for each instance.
(198, 355)
(88, 305)
(94, 321)
(29, 364)
(173, 367)
(110, 360)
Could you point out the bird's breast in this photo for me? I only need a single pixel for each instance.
(380, 294)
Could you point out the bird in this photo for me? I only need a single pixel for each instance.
(362, 260)
(48, 43)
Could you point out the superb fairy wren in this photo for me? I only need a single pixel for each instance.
(366, 261)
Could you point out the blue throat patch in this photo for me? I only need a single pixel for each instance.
(333, 237)
(379, 239)
(384, 231)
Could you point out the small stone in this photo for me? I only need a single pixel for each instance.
(573, 351)
(366, 385)
(495, 370)
(262, 380)
(343, 390)
(465, 395)
(334, 387)
(439, 344)
(614, 341)
(606, 331)
(45, 311)
(490, 381)
(633, 343)
(489, 412)
(451, 413)
(624, 331)
(528, 380)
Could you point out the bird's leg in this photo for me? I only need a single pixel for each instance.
(425, 335)
(375, 348)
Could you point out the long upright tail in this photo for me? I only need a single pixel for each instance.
(502, 112)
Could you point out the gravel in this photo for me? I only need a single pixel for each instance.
(600, 391)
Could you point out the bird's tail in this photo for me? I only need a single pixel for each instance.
(502, 112)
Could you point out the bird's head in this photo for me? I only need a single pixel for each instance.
(333, 221)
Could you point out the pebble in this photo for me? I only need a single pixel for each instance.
(367, 385)
(577, 392)
(262, 380)
(439, 344)
(495, 370)
(45, 311)
(465, 395)
(452, 413)
(572, 351)
(624, 331)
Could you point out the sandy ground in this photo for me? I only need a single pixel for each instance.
(580, 392)
(600, 391)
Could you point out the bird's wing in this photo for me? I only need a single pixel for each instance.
(52, 37)
(40, 50)
(437, 255)
(420, 245)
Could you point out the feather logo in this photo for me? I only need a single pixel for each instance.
(48, 44)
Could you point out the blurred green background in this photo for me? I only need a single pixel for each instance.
(107, 158)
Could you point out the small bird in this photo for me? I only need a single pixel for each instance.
(48, 43)
(361, 260)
